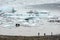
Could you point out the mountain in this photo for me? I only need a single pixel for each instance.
(55, 6)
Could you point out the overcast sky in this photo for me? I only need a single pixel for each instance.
(26, 2)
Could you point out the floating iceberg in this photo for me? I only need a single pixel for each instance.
(8, 9)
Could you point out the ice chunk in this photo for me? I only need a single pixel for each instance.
(7, 9)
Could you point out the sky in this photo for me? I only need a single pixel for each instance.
(27, 2)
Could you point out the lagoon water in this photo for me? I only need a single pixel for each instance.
(36, 23)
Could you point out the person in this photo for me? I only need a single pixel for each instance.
(51, 33)
(17, 25)
(44, 34)
(38, 34)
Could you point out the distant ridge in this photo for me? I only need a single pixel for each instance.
(46, 6)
